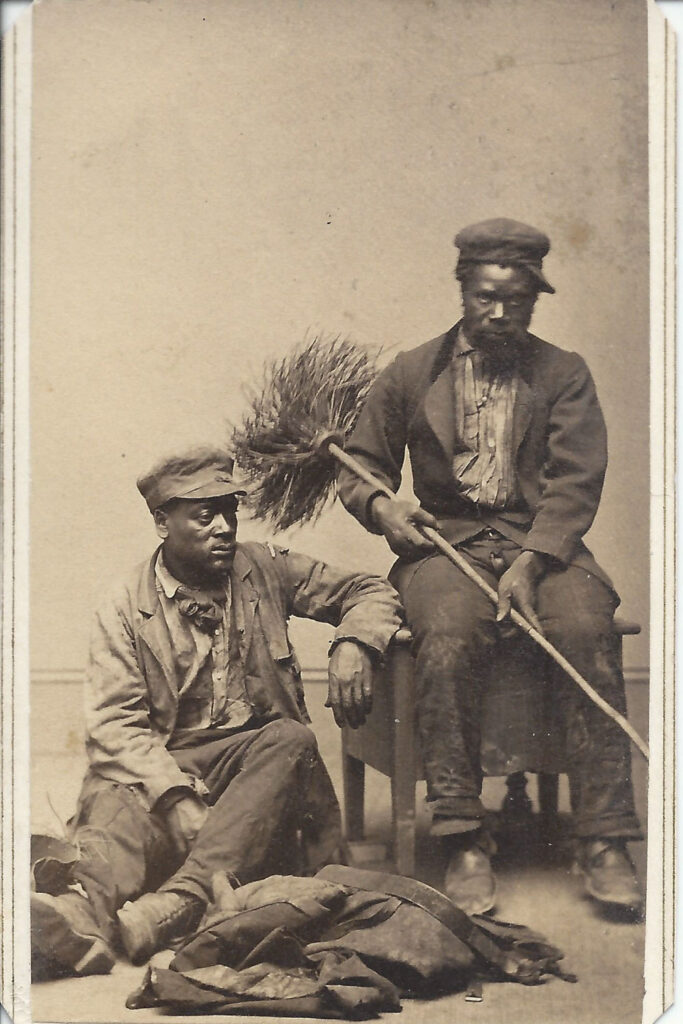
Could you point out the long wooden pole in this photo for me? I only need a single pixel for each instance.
(454, 555)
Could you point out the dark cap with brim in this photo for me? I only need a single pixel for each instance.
(507, 243)
(202, 472)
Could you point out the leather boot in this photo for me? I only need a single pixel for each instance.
(154, 920)
(470, 882)
(64, 933)
(608, 872)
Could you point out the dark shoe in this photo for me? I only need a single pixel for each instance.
(155, 920)
(64, 932)
(608, 872)
(470, 882)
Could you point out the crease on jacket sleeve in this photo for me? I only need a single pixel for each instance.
(363, 607)
(574, 470)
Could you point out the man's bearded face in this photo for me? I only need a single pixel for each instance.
(498, 303)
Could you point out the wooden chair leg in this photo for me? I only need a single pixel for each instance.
(403, 778)
(548, 785)
(516, 803)
(353, 782)
(403, 808)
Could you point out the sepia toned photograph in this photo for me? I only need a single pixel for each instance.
(338, 375)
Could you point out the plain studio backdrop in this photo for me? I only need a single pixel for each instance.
(213, 179)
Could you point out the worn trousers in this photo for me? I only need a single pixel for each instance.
(455, 643)
(272, 808)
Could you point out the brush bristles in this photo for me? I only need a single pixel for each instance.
(320, 386)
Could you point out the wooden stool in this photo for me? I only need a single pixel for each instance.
(521, 732)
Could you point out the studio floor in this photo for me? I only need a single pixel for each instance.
(535, 888)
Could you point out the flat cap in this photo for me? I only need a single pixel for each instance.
(507, 242)
(201, 472)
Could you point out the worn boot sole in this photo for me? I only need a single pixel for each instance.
(155, 921)
(138, 935)
(470, 881)
(629, 900)
(55, 937)
(471, 884)
(479, 903)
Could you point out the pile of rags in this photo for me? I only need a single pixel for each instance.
(347, 944)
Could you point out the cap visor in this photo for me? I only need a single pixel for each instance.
(214, 490)
(543, 284)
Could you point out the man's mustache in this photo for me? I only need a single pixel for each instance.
(498, 346)
(497, 336)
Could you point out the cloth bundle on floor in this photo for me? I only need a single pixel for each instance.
(346, 944)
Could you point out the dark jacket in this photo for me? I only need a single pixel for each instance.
(559, 441)
(132, 680)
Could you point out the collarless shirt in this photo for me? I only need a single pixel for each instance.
(212, 691)
(483, 465)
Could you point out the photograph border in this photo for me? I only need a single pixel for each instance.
(14, 439)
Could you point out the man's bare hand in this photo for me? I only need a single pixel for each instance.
(397, 520)
(184, 820)
(517, 587)
(350, 684)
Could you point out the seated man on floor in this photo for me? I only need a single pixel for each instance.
(201, 758)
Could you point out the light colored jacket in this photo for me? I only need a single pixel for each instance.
(133, 678)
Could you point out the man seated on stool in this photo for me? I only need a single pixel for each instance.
(508, 451)
(201, 758)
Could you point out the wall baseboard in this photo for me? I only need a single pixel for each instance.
(57, 714)
(315, 674)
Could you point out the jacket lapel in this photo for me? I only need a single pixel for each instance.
(524, 400)
(522, 414)
(439, 401)
(245, 601)
(154, 631)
